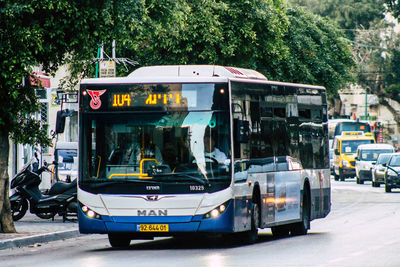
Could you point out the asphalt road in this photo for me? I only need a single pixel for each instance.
(363, 229)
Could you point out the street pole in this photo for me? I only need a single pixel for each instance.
(97, 63)
(366, 104)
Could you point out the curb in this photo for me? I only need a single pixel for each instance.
(41, 238)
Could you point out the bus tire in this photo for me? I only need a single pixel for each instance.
(118, 240)
(252, 235)
(302, 227)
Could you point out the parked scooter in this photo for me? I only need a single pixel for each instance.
(60, 199)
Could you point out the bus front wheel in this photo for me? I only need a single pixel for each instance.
(118, 240)
(251, 236)
(302, 227)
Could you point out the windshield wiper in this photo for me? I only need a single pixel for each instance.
(180, 174)
(102, 183)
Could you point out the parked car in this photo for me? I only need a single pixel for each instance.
(392, 172)
(378, 170)
(365, 156)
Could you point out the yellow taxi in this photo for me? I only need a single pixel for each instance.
(344, 153)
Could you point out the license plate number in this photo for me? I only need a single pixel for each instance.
(153, 228)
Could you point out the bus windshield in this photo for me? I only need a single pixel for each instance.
(352, 126)
(157, 147)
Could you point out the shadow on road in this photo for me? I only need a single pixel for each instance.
(196, 242)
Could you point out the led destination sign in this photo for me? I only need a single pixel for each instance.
(154, 96)
(124, 100)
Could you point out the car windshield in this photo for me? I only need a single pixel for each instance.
(350, 146)
(67, 159)
(372, 154)
(394, 161)
(383, 159)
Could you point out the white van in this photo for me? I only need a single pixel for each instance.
(366, 155)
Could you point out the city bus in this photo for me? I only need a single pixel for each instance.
(352, 126)
(199, 149)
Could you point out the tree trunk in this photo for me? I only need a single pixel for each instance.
(6, 221)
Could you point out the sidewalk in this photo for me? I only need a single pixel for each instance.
(32, 230)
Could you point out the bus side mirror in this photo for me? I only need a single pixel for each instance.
(337, 152)
(60, 120)
(242, 131)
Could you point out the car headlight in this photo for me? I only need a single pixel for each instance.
(217, 211)
(345, 163)
(90, 213)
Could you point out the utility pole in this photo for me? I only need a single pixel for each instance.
(113, 50)
(366, 104)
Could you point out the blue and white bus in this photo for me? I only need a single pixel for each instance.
(176, 150)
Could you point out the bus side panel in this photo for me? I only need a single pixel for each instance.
(280, 198)
(287, 195)
(242, 200)
(320, 192)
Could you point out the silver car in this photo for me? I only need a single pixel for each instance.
(378, 170)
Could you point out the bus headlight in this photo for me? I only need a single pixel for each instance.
(90, 213)
(217, 211)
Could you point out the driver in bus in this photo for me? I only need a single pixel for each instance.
(210, 150)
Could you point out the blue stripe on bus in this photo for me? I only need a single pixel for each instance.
(223, 223)
(152, 219)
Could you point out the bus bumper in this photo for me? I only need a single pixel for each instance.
(224, 223)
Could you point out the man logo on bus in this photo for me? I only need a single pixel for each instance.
(95, 102)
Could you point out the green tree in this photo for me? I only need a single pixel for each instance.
(318, 52)
(216, 32)
(393, 7)
(349, 14)
(260, 34)
(35, 33)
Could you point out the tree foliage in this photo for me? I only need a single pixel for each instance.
(318, 52)
(35, 33)
(288, 45)
(349, 14)
(241, 33)
(394, 7)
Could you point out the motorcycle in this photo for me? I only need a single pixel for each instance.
(60, 199)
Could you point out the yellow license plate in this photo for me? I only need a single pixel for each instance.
(154, 228)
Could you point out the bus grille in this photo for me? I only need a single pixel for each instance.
(352, 163)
